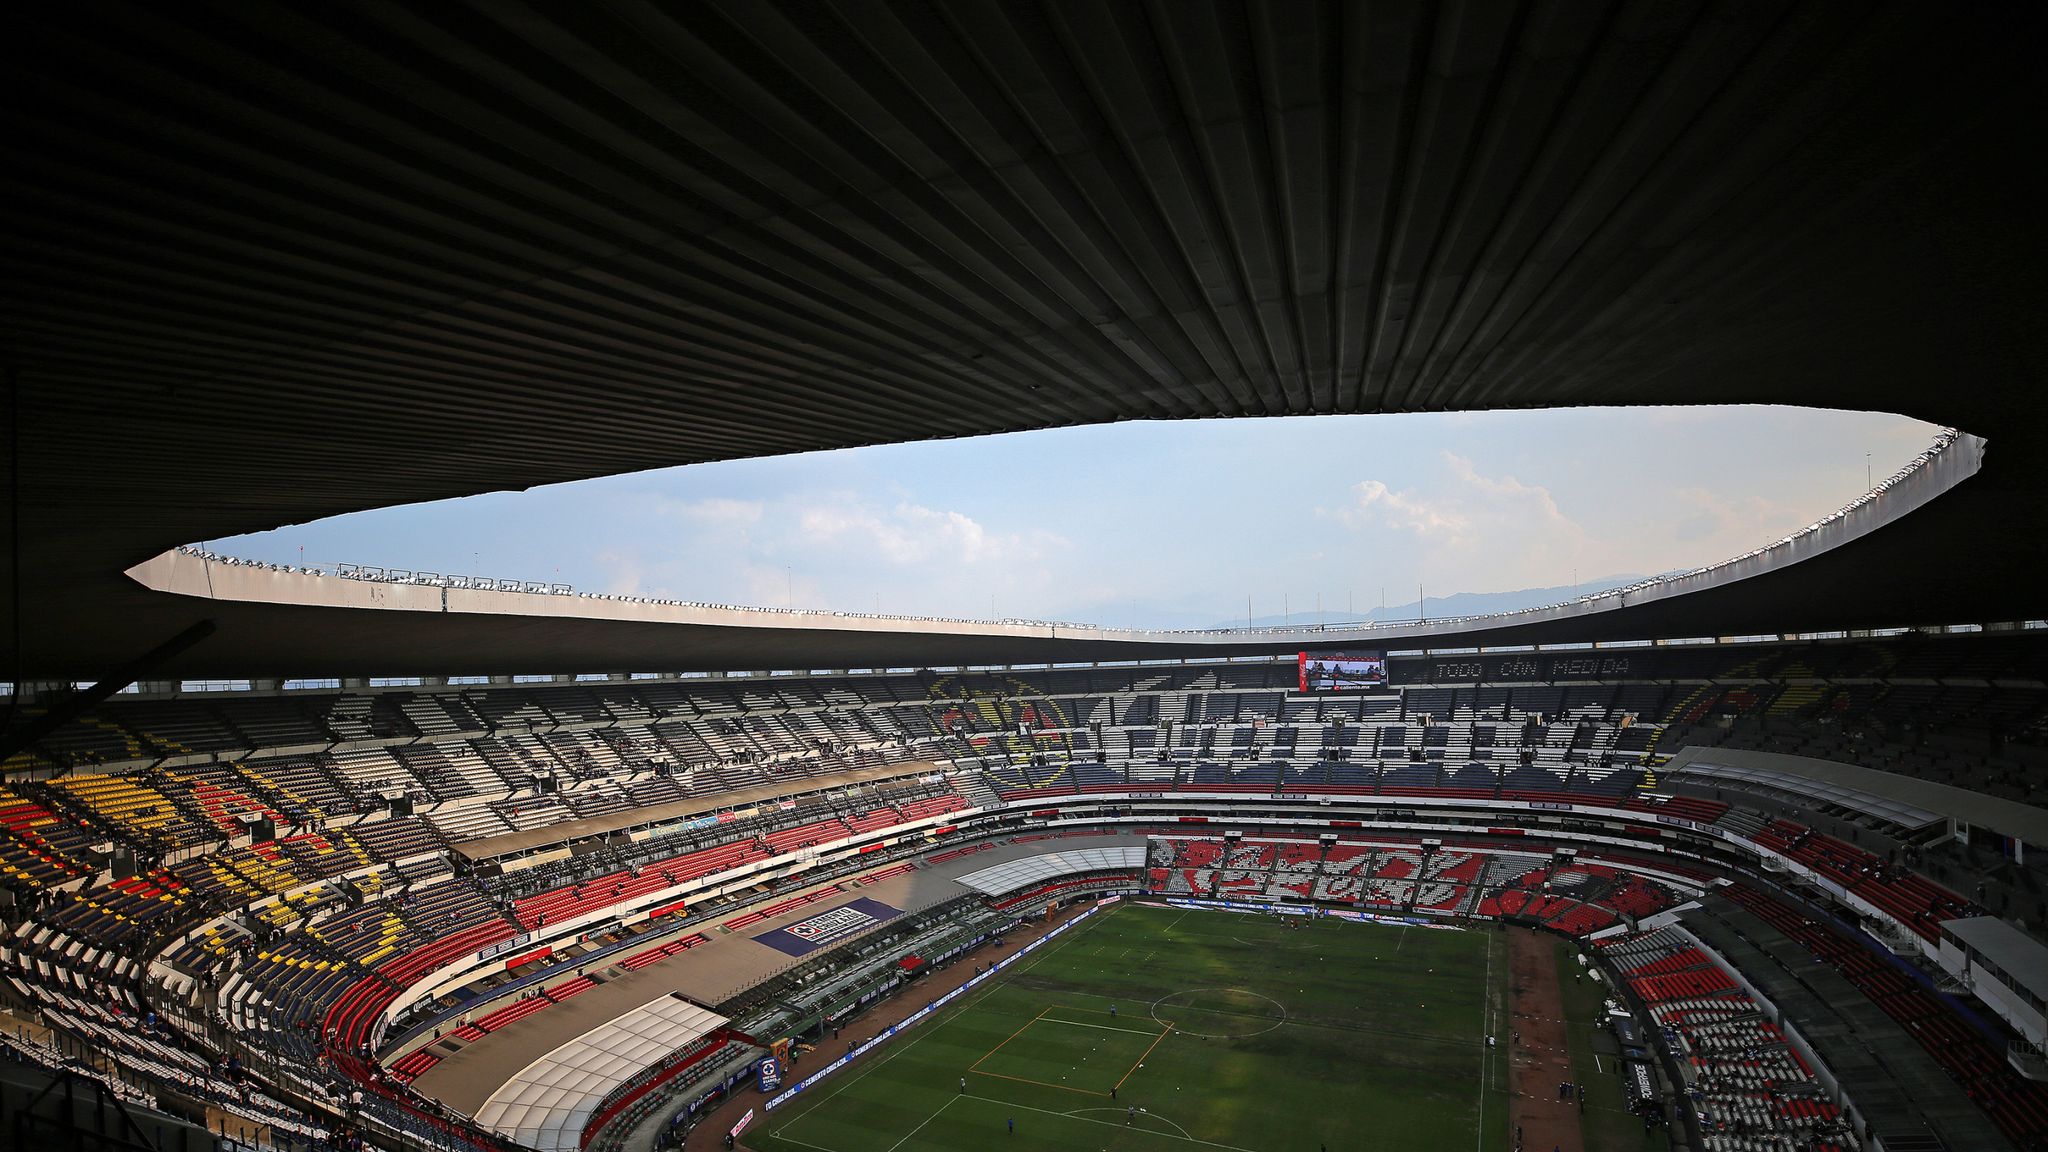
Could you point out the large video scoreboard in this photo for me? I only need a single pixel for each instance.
(1342, 671)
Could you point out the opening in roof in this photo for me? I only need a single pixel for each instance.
(1205, 524)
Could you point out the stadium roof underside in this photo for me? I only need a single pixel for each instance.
(269, 263)
(1905, 803)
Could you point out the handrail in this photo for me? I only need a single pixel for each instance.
(1945, 439)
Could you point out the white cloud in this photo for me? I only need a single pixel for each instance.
(1730, 524)
(1375, 503)
(1475, 508)
(1476, 531)
(777, 586)
(1510, 493)
(622, 572)
(911, 534)
(715, 510)
(847, 550)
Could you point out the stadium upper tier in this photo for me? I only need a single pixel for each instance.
(1573, 719)
(327, 882)
(271, 266)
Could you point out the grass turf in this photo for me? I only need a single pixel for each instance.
(1607, 1123)
(1230, 1031)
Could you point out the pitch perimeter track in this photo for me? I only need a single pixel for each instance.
(1539, 1060)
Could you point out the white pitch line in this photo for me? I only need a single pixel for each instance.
(952, 1013)
(1107, 1124)
(1085, 1024)
(1184, 1133)
(1359, 1029)
(806, 1143)
(927, 1120)
(1485, 1065)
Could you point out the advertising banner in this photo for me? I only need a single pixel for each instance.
(827, 928)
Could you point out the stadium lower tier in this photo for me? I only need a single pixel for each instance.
(329, 954)
(1747, 1085)
(1577, 897)
(309, 882)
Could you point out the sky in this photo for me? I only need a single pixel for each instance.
(1162, 525)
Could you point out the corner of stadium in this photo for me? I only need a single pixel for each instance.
(1735, 859)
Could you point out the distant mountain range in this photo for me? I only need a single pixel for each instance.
(1455, 604)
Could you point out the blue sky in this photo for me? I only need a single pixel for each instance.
(1163, 525)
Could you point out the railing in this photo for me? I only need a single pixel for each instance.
(1943, 441)
(381, 575)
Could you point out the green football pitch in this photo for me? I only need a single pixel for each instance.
(1232, 1031)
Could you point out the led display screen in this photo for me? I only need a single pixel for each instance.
(1343, 671)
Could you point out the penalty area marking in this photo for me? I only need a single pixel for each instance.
(990, 988)
(1041, 1083)
(1099, 1027)
(1163, 1034)
(1042, 1018)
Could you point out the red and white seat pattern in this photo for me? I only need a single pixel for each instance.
(1751, 1089)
